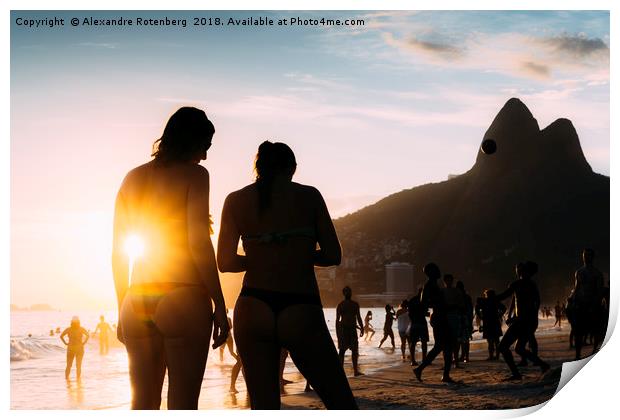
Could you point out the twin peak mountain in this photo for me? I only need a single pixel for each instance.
(536, 198)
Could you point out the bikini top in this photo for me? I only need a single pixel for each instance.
(280, 237)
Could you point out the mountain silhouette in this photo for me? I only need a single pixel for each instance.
(536, 198)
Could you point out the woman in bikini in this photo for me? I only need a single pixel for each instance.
(280, 224)
(166, 316)
(78, 337)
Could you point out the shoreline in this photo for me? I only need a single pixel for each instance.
(479, 383)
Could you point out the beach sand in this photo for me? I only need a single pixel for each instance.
(479, 386)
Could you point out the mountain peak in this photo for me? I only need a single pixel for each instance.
(561, 141)
(515, 131)
(515, 105)
(515, 114)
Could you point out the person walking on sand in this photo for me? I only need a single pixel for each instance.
(455, 308)
(162, 248)
(588, 300)
(78, 337)
(433, 297)
(390, 316)
(403, 323)
(467, 324)
(525, 321)
(491, 312)
(558, 315)
(419, 327)
(104, 330)
(368, 328)
(532, 343)
(348, 319)
(281, 223)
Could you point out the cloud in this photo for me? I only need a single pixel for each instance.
(311, 80)
(510, 53)
(107, 45)
(579, 47)
(435, 51)
(536, 69)
(441, 49)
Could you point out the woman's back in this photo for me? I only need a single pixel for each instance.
(279, 241)
(153, 204)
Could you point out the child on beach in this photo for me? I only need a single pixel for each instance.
(403, 323)
(368, 329)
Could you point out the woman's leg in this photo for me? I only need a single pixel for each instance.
(234, 375)
(259, 351)
(185, 319)
(70, 357)
(231, 346)
(145, 350)
(79, 355)
(302, 329)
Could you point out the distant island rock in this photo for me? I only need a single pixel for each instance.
(35, 307)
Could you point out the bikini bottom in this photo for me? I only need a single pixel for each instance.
(278, 301)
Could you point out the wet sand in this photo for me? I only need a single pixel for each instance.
(479, 386)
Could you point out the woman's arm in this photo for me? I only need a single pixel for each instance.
(85, 334)
(120, 261)
(201, 249)
(228, 260)
(63, 335)
(330, 252)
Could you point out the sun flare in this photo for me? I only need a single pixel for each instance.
(134, 246)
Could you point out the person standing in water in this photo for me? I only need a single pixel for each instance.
(78, 337)
(348, 320)
(387, 326)
(403, 323)
(368, 329)
(162, 247)
(104, 329)
(229, 341)
(280, 223)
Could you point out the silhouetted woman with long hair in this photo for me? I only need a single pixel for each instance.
(165, 310)
(280, 223)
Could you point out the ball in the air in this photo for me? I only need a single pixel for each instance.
(488, 146)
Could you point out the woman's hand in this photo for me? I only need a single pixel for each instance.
(119, 332)
(220, 326)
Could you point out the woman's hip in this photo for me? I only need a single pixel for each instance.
(173, 311)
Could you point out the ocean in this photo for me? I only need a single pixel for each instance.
(38, 363)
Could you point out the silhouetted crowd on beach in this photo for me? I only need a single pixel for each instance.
(453, 315)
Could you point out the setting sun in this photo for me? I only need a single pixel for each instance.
(134, 247)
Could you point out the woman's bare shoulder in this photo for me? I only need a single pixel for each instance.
(246, 191)
(306, 190)
(134, 176)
